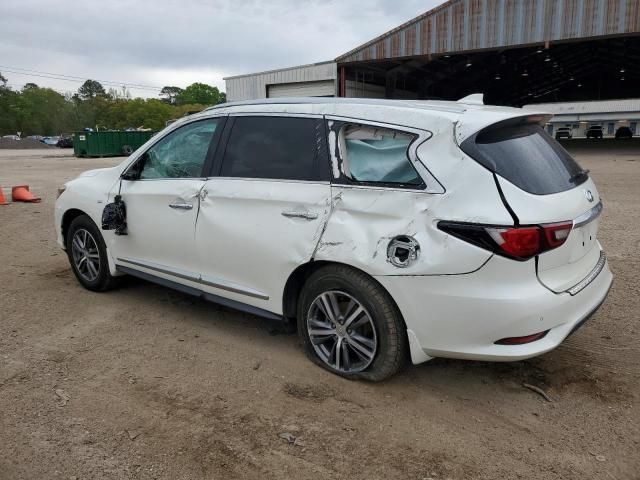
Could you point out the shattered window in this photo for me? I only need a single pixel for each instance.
(182, 153)
(378, 155)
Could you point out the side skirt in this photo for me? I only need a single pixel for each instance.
(243, 307)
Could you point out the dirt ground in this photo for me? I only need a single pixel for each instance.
(144, 382)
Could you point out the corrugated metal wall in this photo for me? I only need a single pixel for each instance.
(461, 25)
(254, 86)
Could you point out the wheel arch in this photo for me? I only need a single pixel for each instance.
(68, 217)
(297, 279)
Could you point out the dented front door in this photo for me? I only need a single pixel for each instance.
(162, 200)
(161, 217)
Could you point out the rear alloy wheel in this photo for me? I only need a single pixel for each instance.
(342, 332)
(88, 255)
(349, 325)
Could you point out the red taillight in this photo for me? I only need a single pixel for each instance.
(521, 340)
(556, 233)
(520, 243)
(517, 242)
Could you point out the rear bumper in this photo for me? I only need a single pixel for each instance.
(462, 316)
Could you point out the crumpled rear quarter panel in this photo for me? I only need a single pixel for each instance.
(364, 220)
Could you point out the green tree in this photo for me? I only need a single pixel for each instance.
(199, 93)
(8, 98)
(91, 89)
(169, 94)
(42, 111)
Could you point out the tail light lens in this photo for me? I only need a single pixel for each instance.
(519, 243)
(557, 233)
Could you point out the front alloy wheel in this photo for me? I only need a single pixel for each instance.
(85, 254)
(342, 332)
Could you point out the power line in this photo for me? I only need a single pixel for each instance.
(109, 84)
(71, 78)
(81, 78)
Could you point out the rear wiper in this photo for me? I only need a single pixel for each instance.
(578, 175)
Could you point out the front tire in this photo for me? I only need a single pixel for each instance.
(349, 325)
(87, 254)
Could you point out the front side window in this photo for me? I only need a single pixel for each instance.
(377, 155)
(182, 153)
(272, 148)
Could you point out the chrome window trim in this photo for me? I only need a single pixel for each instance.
(382, 188)
(276, 180)
(199, 179)
(197, 278)
(588, 216)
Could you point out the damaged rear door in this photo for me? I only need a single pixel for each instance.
(262, 216)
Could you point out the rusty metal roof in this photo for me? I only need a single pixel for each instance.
(467, 25)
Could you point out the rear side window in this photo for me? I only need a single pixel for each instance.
(377, 155)
(272, 148)
(526, 156)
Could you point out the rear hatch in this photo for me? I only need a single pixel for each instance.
(542, 184)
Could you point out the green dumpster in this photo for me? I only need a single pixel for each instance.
(108, 144)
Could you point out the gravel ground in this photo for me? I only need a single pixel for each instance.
(24, 144)
(144, 382)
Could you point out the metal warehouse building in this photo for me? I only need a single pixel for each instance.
(516, 52)
(579, 116)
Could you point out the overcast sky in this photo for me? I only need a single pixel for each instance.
(178, 42)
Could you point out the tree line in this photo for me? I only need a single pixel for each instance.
(35, 110)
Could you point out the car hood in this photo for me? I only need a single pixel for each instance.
(97, 171)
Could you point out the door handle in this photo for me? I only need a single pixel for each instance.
(305, 215)
(181, 206)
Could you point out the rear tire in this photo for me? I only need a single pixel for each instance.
(375, 346)
(87, 254)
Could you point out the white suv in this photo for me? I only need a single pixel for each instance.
(385, 228)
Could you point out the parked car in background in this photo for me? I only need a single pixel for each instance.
(50, 140)
(36, 137)
(564, 132)
(624, 132)
(595, 131)
(382, 229)
(65, 141)
(12, 137)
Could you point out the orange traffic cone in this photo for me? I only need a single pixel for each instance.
(21, 193)
(2, 199)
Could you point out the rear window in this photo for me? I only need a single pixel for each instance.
(526, 156)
